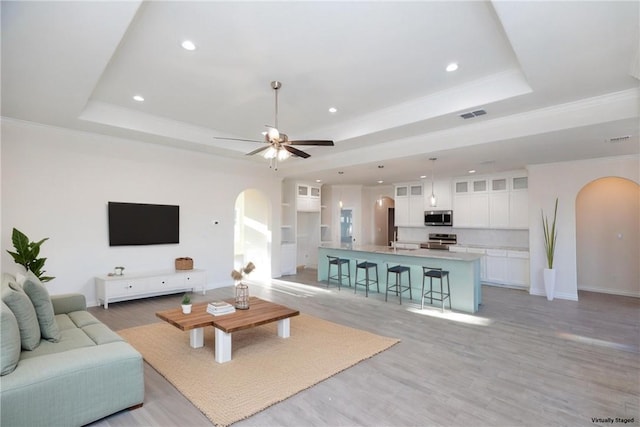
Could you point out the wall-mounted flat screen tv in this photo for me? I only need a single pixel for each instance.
(143, 224)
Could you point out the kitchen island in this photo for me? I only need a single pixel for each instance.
(464, 270)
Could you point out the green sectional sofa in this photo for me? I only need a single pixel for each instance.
(60, 366)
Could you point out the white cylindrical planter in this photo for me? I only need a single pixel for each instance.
(549, 276)
(186, 308)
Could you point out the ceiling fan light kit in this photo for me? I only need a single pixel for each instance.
(280, 148)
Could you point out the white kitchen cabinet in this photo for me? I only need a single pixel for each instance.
(499, 210)
(471, 204)
(519, 202)
(518, 268)
(308, 198)
(416, 205)
(122, 288)
(409, 205)
(288, 258)
(402, 211)
(496, 265)
(498, 201)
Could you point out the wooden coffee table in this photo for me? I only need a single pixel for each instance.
(259, 313)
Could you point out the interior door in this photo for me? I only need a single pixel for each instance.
(346, 226)
(392, 230)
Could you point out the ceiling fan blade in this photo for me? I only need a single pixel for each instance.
(237, 139)
(313, 142)
(296, 152)
(257, 150)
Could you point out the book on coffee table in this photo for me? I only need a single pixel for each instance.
(218, 308)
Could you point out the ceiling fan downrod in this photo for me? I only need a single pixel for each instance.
(275, 85)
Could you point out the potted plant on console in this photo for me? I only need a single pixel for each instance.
(550, 237)
(186, 304)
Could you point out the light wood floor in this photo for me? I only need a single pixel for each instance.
(521, 360)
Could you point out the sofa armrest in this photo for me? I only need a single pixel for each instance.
(66, 303)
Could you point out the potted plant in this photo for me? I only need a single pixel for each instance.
(26, 254)
(550, 237)
(186, 304)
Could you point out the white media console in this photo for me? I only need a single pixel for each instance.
(133, 286)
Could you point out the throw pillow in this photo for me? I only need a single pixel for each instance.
(25, 314)
(9, 341)
(41, 301)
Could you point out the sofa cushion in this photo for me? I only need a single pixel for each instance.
(82, 318)
(70, 339)
(25, 314)
(9, 340)
(41, 301)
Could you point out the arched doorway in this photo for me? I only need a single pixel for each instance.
(252, 233)
(383, 221)
(608, 235)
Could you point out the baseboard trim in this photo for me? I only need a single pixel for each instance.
(609, 291)
(557, 295)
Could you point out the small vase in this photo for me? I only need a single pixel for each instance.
(242, 296)
(549, 276)
(186, 308)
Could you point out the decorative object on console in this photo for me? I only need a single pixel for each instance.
(184, 263)
(550, 237)
(26, 254)
(186, 304)
(119, 271)
(242, 290)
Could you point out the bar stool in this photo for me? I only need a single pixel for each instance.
(366, 265)
(397, 286)
(333, 260)
(435, 273)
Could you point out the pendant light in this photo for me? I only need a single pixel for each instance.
(432, 199)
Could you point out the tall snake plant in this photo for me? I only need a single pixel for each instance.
(550, 235)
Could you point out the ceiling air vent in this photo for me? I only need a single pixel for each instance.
(472, 114)
(619, 139)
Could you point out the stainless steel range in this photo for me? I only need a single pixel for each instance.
(440, 241)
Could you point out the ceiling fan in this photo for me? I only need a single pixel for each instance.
(279, 146)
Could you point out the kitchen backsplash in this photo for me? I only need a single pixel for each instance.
(469, 236)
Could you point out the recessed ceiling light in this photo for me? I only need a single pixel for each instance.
(318, 181)
(423, 176)
(380, 181)
(472, 171)
(138, 98)
(452, 67)
(188, 45)
(333, 110)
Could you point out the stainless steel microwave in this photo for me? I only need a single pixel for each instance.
(438, 218)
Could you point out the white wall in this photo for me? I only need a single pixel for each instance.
(56, 183)
(564, 181)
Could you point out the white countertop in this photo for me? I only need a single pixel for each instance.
(506, 248)
(418, 253)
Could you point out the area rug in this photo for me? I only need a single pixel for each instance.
(264, 369)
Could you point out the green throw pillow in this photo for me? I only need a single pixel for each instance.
(41, 301)
(25, 314)
(9, 341)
